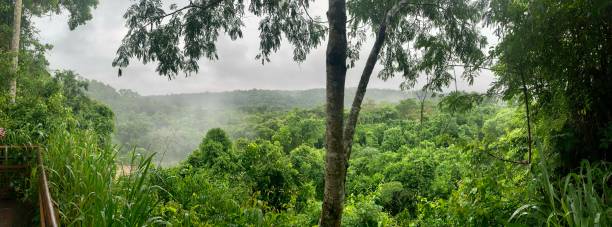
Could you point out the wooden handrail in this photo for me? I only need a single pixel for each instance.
(48, 215)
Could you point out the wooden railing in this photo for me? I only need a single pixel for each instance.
(47, 209)
(48, 214)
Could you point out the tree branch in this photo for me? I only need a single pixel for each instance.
(423, 4)
(308, 15)
(526, 96)
(316, 21)
(349, 130)
(476, 67)
(205, 6)
(521, 162)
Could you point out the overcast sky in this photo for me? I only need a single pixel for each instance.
(90, 49)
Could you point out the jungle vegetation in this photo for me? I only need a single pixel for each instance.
(533, 150)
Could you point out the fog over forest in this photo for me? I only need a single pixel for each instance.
(172, 125)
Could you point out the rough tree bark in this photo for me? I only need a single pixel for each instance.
(335, 157)
(15, 48)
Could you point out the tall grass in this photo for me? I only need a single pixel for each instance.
(84, 183)
(578, 199)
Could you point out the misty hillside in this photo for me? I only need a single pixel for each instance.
(173, 125)
(240, 99)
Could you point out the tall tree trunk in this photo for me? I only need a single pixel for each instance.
(339, 142)
(15, 48)
(335, 157)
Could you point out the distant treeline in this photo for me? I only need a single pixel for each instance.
(173, 125)
(240, 99)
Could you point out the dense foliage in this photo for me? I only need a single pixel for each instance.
(562, 69)
(443, 172)
(458, 159)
